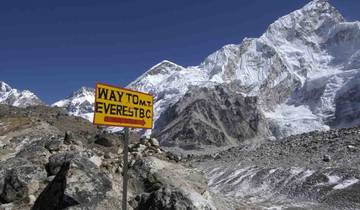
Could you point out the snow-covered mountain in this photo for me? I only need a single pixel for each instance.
(296, 68)
(304, 69)
(14, 97)
(79, 103)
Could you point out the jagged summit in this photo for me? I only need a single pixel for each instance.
(163, 68)
(4, 87)
(83, 91)
(314, 17)
(14, 97)
(79, 103)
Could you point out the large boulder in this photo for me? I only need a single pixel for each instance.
(167, 185)
(86, 183)
(53, 196)
(165, 198)
(19, 179)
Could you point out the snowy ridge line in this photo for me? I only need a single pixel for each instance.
(298, 69)
(14, 97)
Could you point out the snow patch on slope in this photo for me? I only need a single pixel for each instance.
(290, 119)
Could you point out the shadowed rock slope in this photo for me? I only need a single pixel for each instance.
(217, 116)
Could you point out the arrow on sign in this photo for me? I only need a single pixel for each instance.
(124, 120)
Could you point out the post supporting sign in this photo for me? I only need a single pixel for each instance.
(116, 106)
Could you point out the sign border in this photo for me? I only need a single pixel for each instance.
(113, 86)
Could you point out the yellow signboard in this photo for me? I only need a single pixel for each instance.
(115, 106)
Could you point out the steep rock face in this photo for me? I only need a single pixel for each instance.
(80, 103)
(14, 97)
(210, 116)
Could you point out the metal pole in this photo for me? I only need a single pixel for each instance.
(125, 169)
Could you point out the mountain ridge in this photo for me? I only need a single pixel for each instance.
(299, 65)
(15, 97)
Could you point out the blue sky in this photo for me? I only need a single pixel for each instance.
(55, 47)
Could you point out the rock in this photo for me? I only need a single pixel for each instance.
(170, 186)
(57, 160)
(53, 145)
(7, 206)
(352, 148)
(32, 199)
(18, 178)
(143, 140)
(140, 148)
(120, 151)
(13, 188)
(107, 155)
(118, 170)
(165, 198)
(69, 137)
(326, 158)
(154, 142)
(104, 140)
(52, 197)
(86, 183)
(138, 156)
(148, 144)
(73, 147)
(216, 116)
(36, 154)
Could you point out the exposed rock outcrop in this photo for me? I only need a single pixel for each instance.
(215, 116)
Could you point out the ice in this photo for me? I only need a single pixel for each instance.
(345, 184)
(333, 179)
(293, 119)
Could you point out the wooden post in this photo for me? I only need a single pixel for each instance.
(125, 169)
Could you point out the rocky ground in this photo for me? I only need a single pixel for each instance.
(57, 161)
(316, 170)
(50, 160)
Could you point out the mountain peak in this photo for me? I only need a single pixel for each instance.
(79, 103)
(167, 62)
(322, 6)
(14, 97)
(164, 67)
(4, 87)
(317, 4)
(315, 18)
(83, 90)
